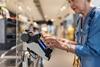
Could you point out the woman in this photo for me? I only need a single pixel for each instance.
(87, 45)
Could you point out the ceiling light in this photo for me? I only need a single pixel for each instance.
(64, 7)
(20, 8)
(52, 19)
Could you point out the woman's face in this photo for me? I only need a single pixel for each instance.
(77, 5)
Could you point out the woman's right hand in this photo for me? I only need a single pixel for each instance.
(53, 42)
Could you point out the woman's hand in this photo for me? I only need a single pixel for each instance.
(70, 45)
(60, 43)
(54, 42)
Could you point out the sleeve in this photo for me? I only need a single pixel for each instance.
(92, 46)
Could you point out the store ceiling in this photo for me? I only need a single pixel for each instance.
(40, 9)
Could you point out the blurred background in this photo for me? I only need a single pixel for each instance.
(54, 17)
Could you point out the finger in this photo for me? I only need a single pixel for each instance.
(61, 39)
(45, 35)
(50, 45)
(50, 42)
(73, 42)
